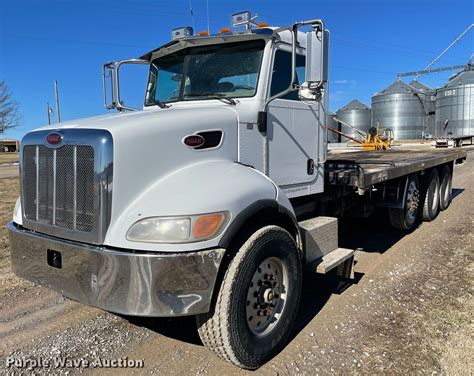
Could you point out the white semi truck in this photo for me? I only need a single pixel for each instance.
(212, 198)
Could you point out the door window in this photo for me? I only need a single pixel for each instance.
(281, 74)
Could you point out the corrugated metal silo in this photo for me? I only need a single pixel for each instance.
(400, 107)
(455, 104)
(330, 122)
(429, 105)
(356, 114)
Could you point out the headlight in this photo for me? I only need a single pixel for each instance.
(178, 229)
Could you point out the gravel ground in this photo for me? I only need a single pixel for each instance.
(408, 312)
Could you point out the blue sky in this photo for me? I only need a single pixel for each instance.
(69, 40)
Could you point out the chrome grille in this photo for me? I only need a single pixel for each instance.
(58, 186)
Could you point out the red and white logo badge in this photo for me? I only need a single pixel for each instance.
(54, 139)
(194, 141)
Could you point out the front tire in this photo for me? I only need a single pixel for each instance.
(257, 301)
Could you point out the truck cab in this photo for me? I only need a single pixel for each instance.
(231, 129)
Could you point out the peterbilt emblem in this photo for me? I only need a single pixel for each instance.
(54, 139)
(194, 141)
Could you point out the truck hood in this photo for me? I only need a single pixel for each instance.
(148, 145)
(113, 121)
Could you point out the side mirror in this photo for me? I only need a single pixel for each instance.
(317, 61)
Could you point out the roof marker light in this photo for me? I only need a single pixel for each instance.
(202, 33)
(263, 24)
(243, 19)
(181, 32)
(240, 18)
(224, 30)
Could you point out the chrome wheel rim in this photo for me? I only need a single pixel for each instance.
(267, 296)
(413, 200)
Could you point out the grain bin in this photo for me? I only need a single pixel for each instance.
(330, 122)
(356, 114)
(429, 95)
(455, 105)
(400, 107)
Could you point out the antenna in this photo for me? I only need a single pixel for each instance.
(208, 26)
(191, 13)
(57, 100)
(49, 110)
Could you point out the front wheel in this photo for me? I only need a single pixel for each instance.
(257, 301)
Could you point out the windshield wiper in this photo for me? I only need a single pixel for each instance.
(161, 104)
(219, 96)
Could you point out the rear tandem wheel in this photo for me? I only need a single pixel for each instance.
(445, 189)
(431, 200)
(405, 218)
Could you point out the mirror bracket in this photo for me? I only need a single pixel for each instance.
(311, 91)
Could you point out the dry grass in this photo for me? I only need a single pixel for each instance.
(458, 351)
(9, 192)
(8, 157)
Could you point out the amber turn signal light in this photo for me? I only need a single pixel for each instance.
(207, 225)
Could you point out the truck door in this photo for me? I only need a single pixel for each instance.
(294, 131)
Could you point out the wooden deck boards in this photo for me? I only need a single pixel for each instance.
(364, 168)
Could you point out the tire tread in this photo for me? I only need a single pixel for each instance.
(213, 327)
(426, 215)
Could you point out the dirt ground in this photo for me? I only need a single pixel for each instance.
(9, 171)
(408, 312)
(8, 158)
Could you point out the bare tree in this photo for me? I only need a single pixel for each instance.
(9, 113)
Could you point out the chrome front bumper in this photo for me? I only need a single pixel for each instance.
(126, 282)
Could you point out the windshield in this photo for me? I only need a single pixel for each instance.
(227, 70)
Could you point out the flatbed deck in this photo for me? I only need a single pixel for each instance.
(362, 169)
